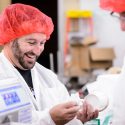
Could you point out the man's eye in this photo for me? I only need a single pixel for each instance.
(42, 43)
(31, 43)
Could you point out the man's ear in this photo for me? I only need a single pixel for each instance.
(11, 42)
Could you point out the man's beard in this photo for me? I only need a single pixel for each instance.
(19, 55)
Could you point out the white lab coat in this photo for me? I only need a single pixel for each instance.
(114, 87)
(105, 84)
(49, 91)
(119, 100)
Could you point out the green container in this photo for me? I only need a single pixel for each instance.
(107, 120)
(93, 122)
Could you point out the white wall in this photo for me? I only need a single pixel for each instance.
(63, 5)
(106, 29)
(3, 4)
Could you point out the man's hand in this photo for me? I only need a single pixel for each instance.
(87, 113)
(63, 113)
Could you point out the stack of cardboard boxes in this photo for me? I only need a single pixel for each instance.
(85, 57)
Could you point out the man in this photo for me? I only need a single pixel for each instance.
(118, 7)
(23, 33)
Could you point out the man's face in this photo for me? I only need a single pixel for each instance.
(27, 49)
(122, 21)
(121, 17)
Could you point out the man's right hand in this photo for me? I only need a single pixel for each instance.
(63, 113)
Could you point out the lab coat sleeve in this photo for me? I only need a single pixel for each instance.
(16, 123)
(39, 118)
(42, 118)
(56, 93)
(66, 97)
(119, 102)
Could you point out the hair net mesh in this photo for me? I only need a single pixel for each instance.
(19, 19)
(113, 5)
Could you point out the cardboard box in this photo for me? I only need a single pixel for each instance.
(101, 57)
(114, 70)
(85, 58)
(75, 72)
(75, 55)
(100, 64)
(86, 41)
(91, 58)
(102, 54)
(89, 40)
(98, 58)
(80, 57)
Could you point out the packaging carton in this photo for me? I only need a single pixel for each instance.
(87, 58)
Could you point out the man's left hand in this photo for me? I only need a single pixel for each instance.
(87, 113)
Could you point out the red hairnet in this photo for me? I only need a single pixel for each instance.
(19, 19)
(113, 5)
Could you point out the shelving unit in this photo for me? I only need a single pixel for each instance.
(79, 25)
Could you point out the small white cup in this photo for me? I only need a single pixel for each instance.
(98, 100)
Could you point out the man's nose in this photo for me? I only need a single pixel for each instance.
(37, 50)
